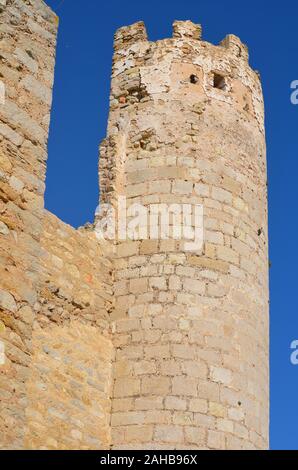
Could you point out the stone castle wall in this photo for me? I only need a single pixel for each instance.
(136, 344)
(55, 282)
(69, 386)
(28, 38)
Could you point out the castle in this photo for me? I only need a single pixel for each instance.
(135, 343)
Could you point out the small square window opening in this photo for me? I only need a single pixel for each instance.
(219, 82)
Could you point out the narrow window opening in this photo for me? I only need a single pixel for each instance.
(219, 82)
(193, 78)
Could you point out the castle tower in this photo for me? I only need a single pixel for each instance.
(186, 126)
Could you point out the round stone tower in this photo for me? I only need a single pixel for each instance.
(186, 127)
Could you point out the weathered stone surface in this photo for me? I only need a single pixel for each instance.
(12, 113)
(75, 414)
(22, 142)
(7, 132)
(7, 302)
(38, 89)
(25, 58)
(139, 343)
(2, 5)
(176, 127)
(3, 228)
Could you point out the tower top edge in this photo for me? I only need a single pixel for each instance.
(126, 36)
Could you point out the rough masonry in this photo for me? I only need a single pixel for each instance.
(138, 343)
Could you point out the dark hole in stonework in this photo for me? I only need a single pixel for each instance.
(193, 78)
(219, 81)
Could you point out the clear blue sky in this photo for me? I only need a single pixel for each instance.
(80, 106)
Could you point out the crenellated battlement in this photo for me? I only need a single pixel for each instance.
(235, 46)
(127, 36)
(183, 68)
(187, 29)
